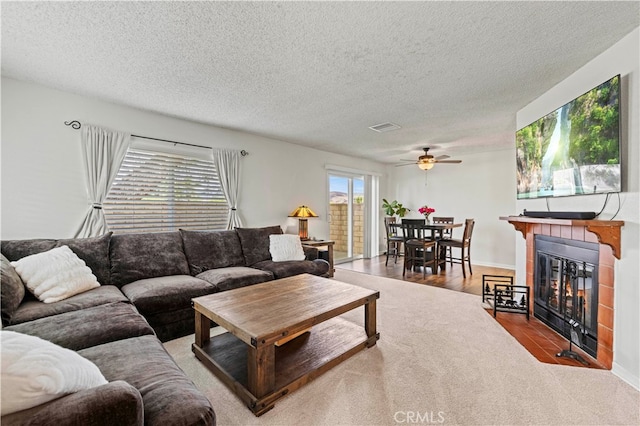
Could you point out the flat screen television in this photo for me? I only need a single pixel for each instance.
(574, 150)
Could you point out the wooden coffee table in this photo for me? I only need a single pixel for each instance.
(247, 359)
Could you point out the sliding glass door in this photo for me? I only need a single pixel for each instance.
(347, 215)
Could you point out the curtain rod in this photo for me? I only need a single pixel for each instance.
(75, 124)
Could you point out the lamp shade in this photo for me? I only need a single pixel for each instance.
(303, 211)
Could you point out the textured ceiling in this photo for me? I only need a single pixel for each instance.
(451, 74)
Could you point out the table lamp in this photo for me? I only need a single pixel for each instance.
(302, 213)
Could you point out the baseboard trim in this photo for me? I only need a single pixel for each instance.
(626, 375)
(493, 265)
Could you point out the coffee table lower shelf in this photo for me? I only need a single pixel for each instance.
(297, 362)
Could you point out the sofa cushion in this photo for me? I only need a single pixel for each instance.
(35, 371)
(55, 275)
(84, 328)
(94, 252)
(31, 308)
(255, 243)
(169, 397)
(12, 290)
(165, 294)
(211, 249)
(116, 403)
(294, 267)
(140, 256)
(310, 253)
(17, 249)
(235, 277)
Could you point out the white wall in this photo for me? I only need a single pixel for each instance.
(482, 187)
(623, 58)
(43, 188)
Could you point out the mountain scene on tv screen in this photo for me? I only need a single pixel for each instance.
(573, 150)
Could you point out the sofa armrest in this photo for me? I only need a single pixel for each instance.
(310, 253)
(116, 403)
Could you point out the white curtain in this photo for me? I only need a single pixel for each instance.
(103, 151)
(227, 162)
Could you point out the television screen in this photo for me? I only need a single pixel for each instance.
(575, 149)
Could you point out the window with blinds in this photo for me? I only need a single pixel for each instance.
(158, 191)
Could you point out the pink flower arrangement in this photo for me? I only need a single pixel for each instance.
(426, 211)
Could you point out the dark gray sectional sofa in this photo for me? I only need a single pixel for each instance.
(147, 283)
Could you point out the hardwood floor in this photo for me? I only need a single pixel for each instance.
(451, 278)
(541, 341)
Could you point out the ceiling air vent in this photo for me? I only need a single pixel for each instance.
(384, 127)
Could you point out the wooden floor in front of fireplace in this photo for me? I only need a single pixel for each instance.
(541, 341)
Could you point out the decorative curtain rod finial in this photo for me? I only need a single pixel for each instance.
(244, 153)
(75, 124)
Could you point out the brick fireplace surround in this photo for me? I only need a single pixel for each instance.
(604, 232)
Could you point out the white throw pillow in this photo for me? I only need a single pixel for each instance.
(285, 247)
(35, 371)
(55, 274)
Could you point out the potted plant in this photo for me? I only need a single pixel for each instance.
(394, 208)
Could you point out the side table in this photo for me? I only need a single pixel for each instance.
(327, 243)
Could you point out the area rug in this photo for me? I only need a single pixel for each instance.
(440, 360)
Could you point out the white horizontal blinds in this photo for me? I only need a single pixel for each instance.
(160, 191)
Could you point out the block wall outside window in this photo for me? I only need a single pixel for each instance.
(339, 227)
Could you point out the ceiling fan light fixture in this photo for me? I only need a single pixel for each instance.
(427, 161)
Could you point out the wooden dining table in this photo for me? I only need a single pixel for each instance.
(436, 230)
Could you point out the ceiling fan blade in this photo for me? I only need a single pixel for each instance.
(404, 159)
(442, 157)
(449, 161)
(408, 164)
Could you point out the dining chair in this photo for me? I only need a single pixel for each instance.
(463, 244)
(445, 234)
(394, 240)
(417, 248)
(415, 221)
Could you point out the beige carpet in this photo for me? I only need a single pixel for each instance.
(440, 359)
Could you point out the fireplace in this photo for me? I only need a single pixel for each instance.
(566, 289)
(603, 234)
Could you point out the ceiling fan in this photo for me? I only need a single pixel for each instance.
(427, 161)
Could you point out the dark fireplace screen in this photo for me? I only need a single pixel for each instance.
(566, 289)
